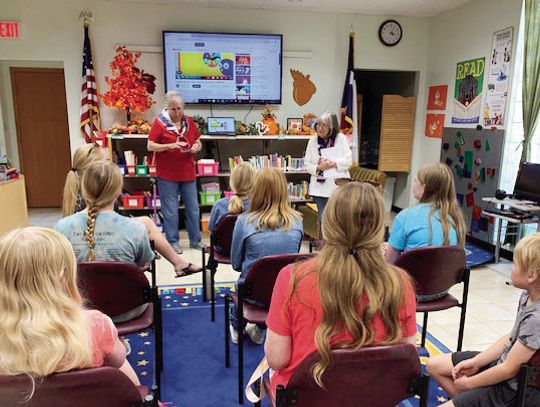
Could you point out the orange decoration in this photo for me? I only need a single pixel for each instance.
(270, 120)
(129, 88)
(303, 88)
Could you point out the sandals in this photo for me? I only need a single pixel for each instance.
(186, 271)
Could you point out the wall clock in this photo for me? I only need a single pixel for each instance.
(390, 33)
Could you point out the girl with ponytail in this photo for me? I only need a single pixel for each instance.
(241, 182)
(348, 296)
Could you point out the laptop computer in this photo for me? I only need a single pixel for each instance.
(221, 126)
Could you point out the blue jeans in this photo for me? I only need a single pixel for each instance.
(169, 191)
(321, 203)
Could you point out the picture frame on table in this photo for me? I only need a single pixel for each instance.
(295, 123)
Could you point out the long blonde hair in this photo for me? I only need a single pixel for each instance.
(42, 322)
(270, 201)
(353, 274)
(440, 192)
(83, 157)
(101, 185)
(241, 183)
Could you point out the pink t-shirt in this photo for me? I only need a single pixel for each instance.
(104, 336)
(300, 317)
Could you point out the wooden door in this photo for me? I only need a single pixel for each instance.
(397, 131)
(39, 98)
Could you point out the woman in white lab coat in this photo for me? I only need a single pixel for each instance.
(328, 156)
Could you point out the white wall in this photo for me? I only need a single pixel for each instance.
(459, 35)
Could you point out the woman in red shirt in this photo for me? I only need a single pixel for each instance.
(317, 305)
(174, 138)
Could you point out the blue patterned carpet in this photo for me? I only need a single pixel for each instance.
(194, 373)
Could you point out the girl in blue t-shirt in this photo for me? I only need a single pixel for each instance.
(435, 220)
(241, 182)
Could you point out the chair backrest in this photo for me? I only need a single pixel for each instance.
(102, 386)
(221, 238)
(113, 288)
(263, 273)
(535, 362)
(377, 376)
(435, 268)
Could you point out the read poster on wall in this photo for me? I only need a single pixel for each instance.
(468, 91)
(498, 77)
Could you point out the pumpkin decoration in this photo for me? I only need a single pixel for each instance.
(303, 88)
(269, 119)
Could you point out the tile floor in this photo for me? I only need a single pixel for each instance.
(490, 312)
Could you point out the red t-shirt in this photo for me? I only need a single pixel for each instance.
(300, 317)
(174, 165)
(104, 336)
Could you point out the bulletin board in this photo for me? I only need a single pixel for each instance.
(474, 156)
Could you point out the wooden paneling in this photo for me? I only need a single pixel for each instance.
(39, 98)
(397, 130)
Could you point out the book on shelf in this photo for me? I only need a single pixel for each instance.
(285, 163)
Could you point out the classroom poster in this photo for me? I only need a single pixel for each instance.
(437, 97)
(468, 91)
(498, 77)
(434, 125)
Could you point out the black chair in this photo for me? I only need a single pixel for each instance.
(256, 287)
(219, 252)
(374, 376)
(115, 288)
(436, 269)
(529, 375)
(100, 386)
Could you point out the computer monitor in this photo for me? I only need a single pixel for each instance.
(218, 126)
(528, 182)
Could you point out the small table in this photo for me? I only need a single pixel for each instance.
(523, 206)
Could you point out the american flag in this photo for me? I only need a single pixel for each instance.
(90, 122)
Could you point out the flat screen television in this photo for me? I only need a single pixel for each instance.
(527, 185)
(223, 68)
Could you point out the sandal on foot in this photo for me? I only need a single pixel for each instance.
(186, 271)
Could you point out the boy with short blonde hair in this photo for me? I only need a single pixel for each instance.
(489, 378)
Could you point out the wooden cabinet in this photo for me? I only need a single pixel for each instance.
(13, 206)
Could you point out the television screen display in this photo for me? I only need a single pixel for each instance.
(528, 182)
(223, 68)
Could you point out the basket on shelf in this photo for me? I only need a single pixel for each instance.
(133, 201)
(209, 198)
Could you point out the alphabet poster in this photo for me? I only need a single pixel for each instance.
(498, 77)
(468, 91)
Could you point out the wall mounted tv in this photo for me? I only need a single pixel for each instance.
(223, 68)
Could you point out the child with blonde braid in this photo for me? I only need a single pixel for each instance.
(44, 326)
(241, 183)
(73, 200)
(99, 233)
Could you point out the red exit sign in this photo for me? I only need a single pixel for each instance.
(9, 29)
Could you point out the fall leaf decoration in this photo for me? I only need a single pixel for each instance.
(303, 88)
(130, 87)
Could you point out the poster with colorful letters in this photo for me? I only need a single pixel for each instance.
(468, 91)
(498, 77)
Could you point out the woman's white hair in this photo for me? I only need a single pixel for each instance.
(173, 96)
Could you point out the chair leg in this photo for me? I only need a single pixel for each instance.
(461, 327)
(424, 330)
(424, 390)
(227, 334)
(204, 269)
(241, 323)
(212, 295)
(311, 246)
